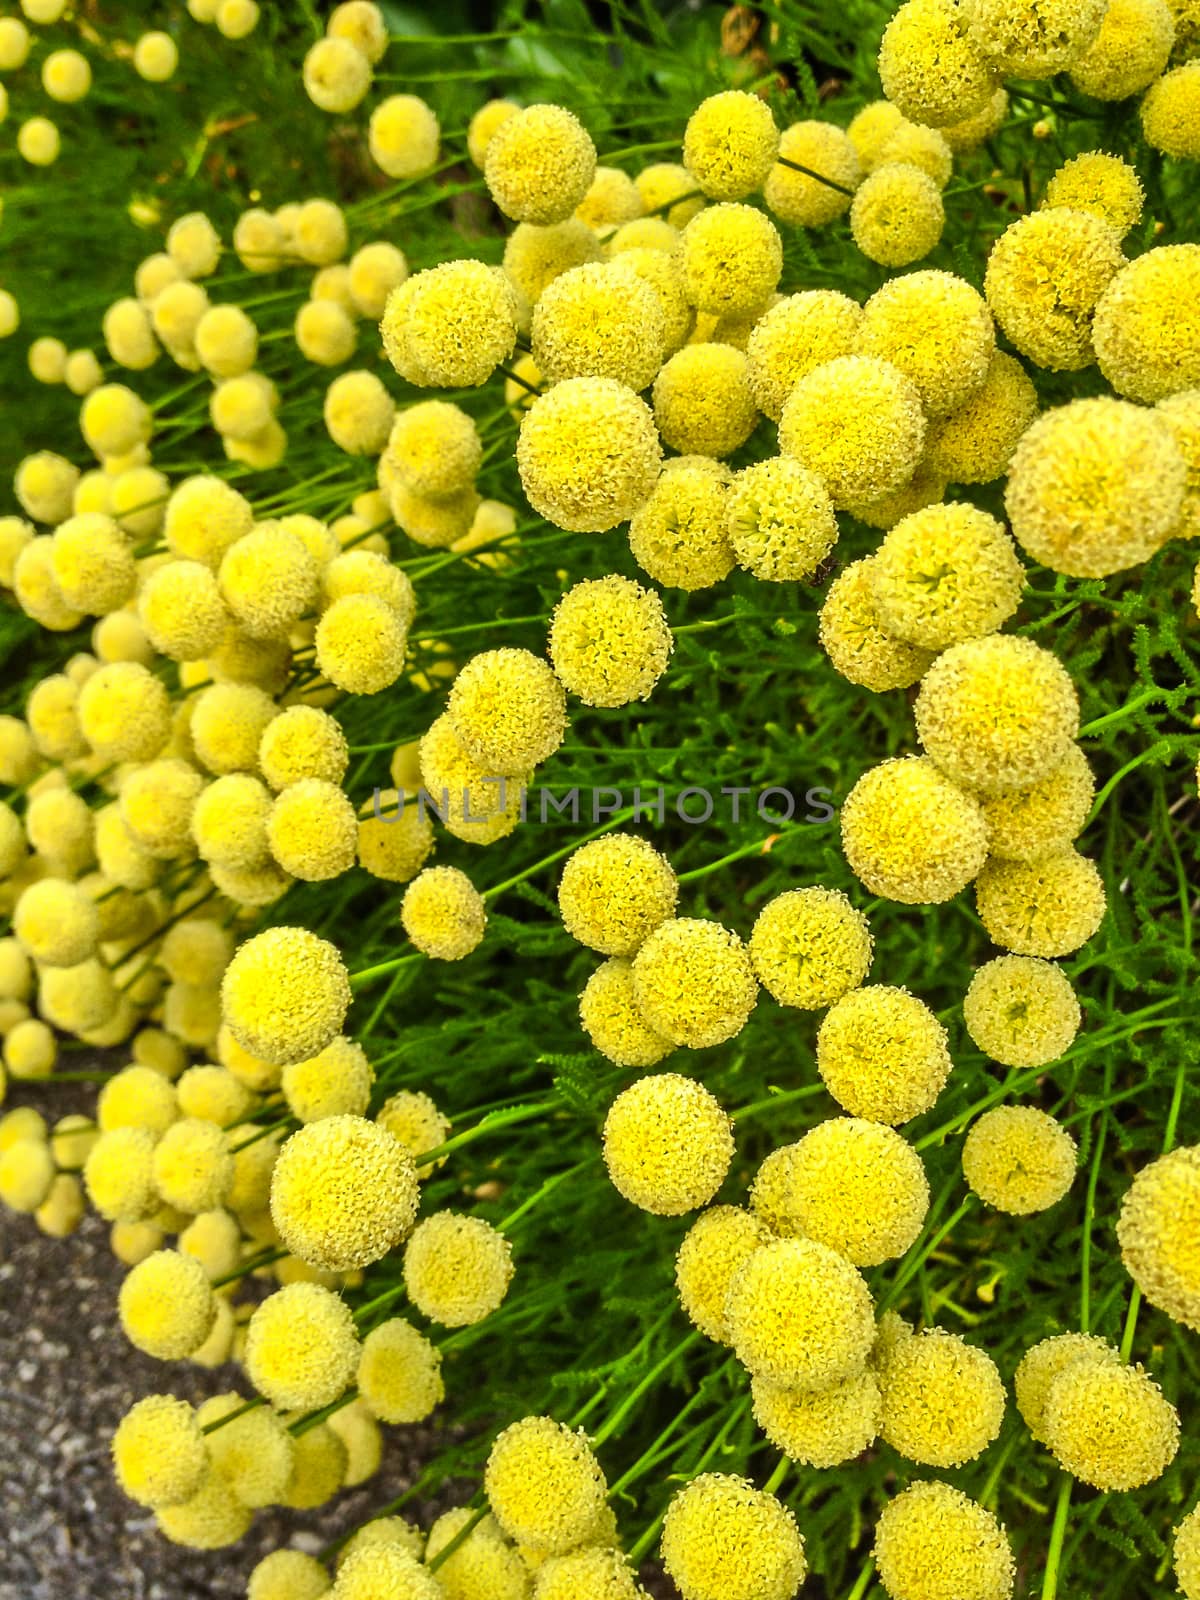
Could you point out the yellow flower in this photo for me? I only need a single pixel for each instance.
(975, 442)
(929, 66)
(800, 1315)
(932, 1539)
(457, 1269)
(166, 1305)
(723, 1539)
(614, 892)
(731, 257)
(285, 994)
(612, 1021)
(1158, 1234)
(450, 326)
(693, 983)
(588, 454)
(822, 1427)
(1045, 277)
(1019, 1159)
(882, 1054)
(544, 1485)
(729, 146)
(667, 1144)
(1147, 350)
(997, 713)
(599, 320)
(712, 1250)
(539, 164)
(508, 709)
(856, 422)
(809, 947)
(1110, 1425)
(1171, 113)
(159, 1453)
(343, 1193)
(1049, 907)
(1021, 1011)
(944, 575)
(853, 637)
(804, 201)
(911, 834)
(703, 404)
(1131, 49)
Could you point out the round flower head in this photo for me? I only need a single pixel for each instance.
(1095, 487)
(1158, 1233)
(483, 125)
(911, 834)
(914, 145)
(1186, 1554)
(484, 1563)
(667, 1144)
(92, 563)
(399, 1373)
(1020, 1011)
(933, 1542)
(1045, 277)
(592, 1573)
(609, 641)
(612, 1021)
(395, 1532)
(214, 1517)
(588, 454)
(243, 409)
(253, 1453)
(129, 335)
(473, 803)
(946, 574)
(285, 995)
(137, 1097)
(44, 485)
(929, 66)
(853, 637)
(943, 1401)
(1104, 185)
(325, 333)
(319, 233)
(56, 922)
(385, 1569)
(125, 712)
(358, 413)
(26, 1175)
(800, 1315)
(361, 644)
(229, 821)
(1170, 113)
(821, 1427)
(119, 1175)
(601, 320)
(194, 245)
(729, 145)
(336, 75)
(394, 837)
(997, 713)
(508, 708)
(536, 257)
(780, 520)
(337, 1082)
(857, 423)
(975, 442)
(723, 1539)
(799, 333)
(312, 830)
(193, 1165)
(544, 1485)
(809, 947)
(1048, 907)
(166, 1305)
(375, 269)
(731, 256)
(612, 198)
(301, 1347)
(539, 164)
(614, 892)
(457, 1269)
(1147, 350)
(678, 535)
(451, 325)
(204, 517)
(882, 1054)
(702, 400)
(804, 201)
(412, 1117)
(226, 341)
(443, 913)
(670, 196)
(855, 1186)
(159, 1453)
(1041, 1365)
(1019, 1159)
(937, 330)
(368, 572)
(343, 1193)
(1129, 52)
(39, 141)
(713, 1249)
(1110, 1425)
(1034, 41)
(693, 983)
(897, 215)
(66, 76)
(14, 44)
(155, 57)
(435, 448)
(181, 609)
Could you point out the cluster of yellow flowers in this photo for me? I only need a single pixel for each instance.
(632, 316)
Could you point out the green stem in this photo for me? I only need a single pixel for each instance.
(1057, 1535)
